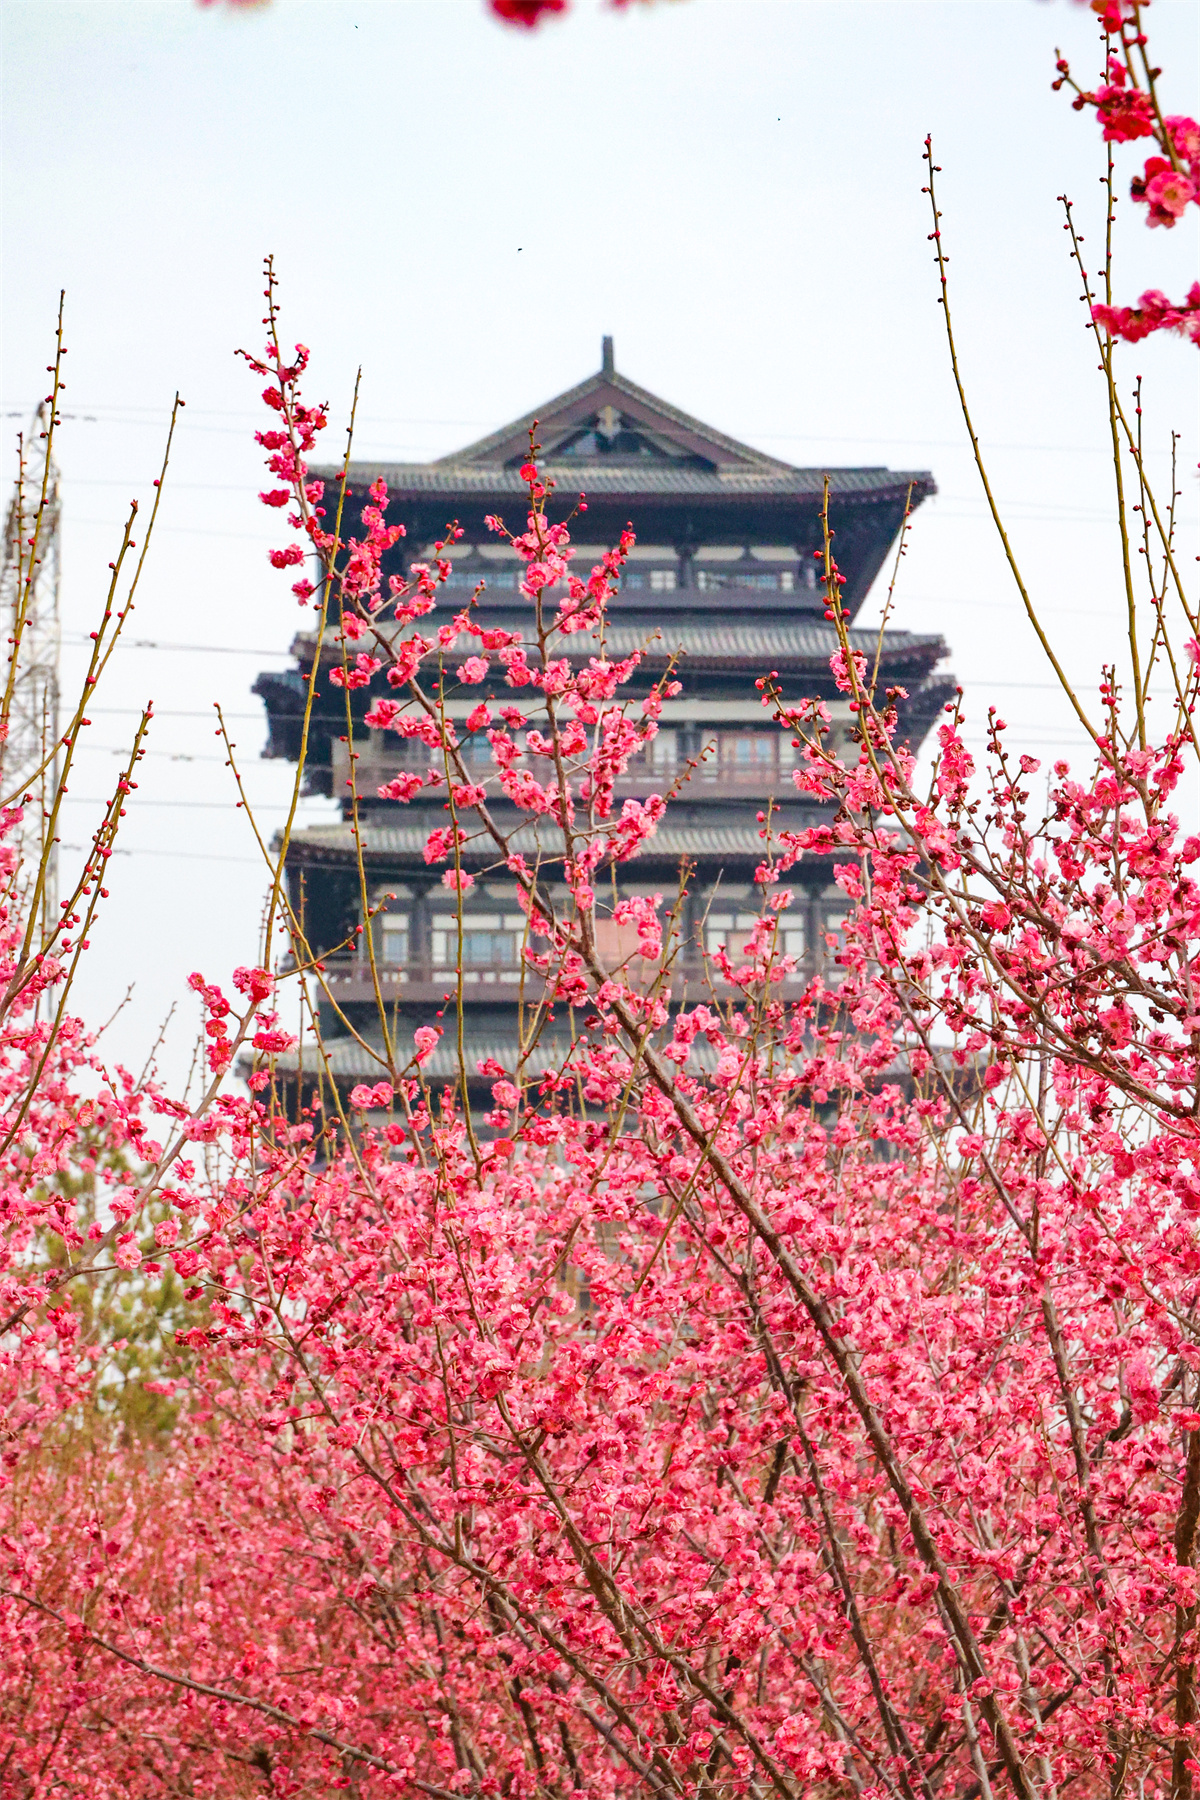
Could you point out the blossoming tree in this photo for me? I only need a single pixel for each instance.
(783, 1398)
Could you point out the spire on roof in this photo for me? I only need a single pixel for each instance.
(607, 364)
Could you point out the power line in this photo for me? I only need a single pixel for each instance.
(205, 805)
(136, 712)
(83, 638)
(128, 415)
(175, 756)
(186, 855)
(249, 537)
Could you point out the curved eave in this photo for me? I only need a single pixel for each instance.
(282, 694)
(333, 845)
(801, 648)
(416, 482)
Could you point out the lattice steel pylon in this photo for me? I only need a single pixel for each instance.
(29, 609)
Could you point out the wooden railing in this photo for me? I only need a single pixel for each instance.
(350, 980)
(373, 768)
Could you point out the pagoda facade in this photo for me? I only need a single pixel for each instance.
(723, 581)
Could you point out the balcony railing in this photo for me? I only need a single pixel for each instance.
(711, 776)
(350, 981)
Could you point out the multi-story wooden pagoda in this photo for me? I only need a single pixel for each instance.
(723, 577)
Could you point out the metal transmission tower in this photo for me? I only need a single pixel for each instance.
(29, 610)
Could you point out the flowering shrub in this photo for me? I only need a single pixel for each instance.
(786, 1398)
(111, 1189)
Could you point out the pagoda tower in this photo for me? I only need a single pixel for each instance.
(723, 579)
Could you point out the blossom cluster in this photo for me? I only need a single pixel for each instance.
(1127, 108)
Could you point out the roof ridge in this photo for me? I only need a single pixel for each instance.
(596, 383)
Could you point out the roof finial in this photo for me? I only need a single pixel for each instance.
(607, 365)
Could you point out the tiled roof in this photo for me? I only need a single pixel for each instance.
(634, 480)
(349, 1061)
(802, 640)
(669, 840)
(808, 640)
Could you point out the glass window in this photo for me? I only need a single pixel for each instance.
(486, 944)
(663, 581)
(615, 944)
(835, 919)
(661, 753)
(664, 749)
(475, 749)
(487, 949)
(731, 930)
(395, 939)
(409, 753)
(717, 927)
(748, 749)
(713, 580)
(832, 920)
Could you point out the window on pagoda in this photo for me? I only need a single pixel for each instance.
(729, 932)
(794, 936)
(486, 947)
(651, 568)
(659, 756)
(782, 566)
(732, 932)
(393, 940)
(491, 944)
(655, 581)
(713, 580)
(751, 751)
(619, 945)
(831, 928)
(476, 751)
(469, 565)
(753, 756)
(720, 566)
(400, 753)
(415, 753)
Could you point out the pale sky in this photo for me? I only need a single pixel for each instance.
(731, 188)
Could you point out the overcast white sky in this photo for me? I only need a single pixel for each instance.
(732, 188)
